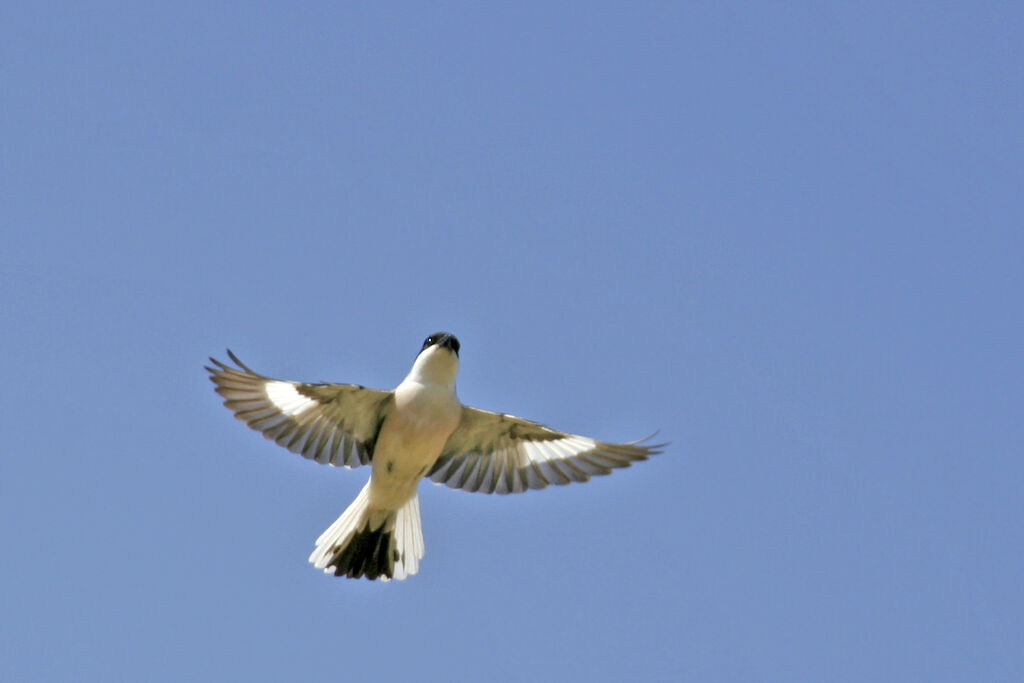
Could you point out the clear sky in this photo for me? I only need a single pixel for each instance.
(789, 237)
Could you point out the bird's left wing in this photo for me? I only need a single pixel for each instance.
(497, 453)
(335, 424)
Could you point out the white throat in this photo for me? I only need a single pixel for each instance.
(435, 365)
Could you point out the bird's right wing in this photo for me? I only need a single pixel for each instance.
(335, 424)
(498, 453)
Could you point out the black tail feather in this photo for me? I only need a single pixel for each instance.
(367, 554)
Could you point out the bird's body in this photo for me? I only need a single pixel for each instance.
(418, 429)
(424, 414)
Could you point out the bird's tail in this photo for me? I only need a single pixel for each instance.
(374, 544)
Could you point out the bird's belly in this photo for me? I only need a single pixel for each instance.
(409, 442)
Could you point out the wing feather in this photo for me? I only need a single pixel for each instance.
(335, 424)
(498, 453)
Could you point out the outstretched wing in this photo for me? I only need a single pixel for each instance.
(497, 453)
(335, 424)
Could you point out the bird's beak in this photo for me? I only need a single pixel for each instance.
(448, 342)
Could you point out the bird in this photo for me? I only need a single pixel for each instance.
(419, 429)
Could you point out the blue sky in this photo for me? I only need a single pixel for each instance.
(789, 237)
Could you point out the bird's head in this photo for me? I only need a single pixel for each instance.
(438, 360)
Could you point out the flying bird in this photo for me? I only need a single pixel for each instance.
(419, 429)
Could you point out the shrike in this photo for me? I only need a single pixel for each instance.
(419, 429)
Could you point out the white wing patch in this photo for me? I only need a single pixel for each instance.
(285, 397)
(558, 449)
